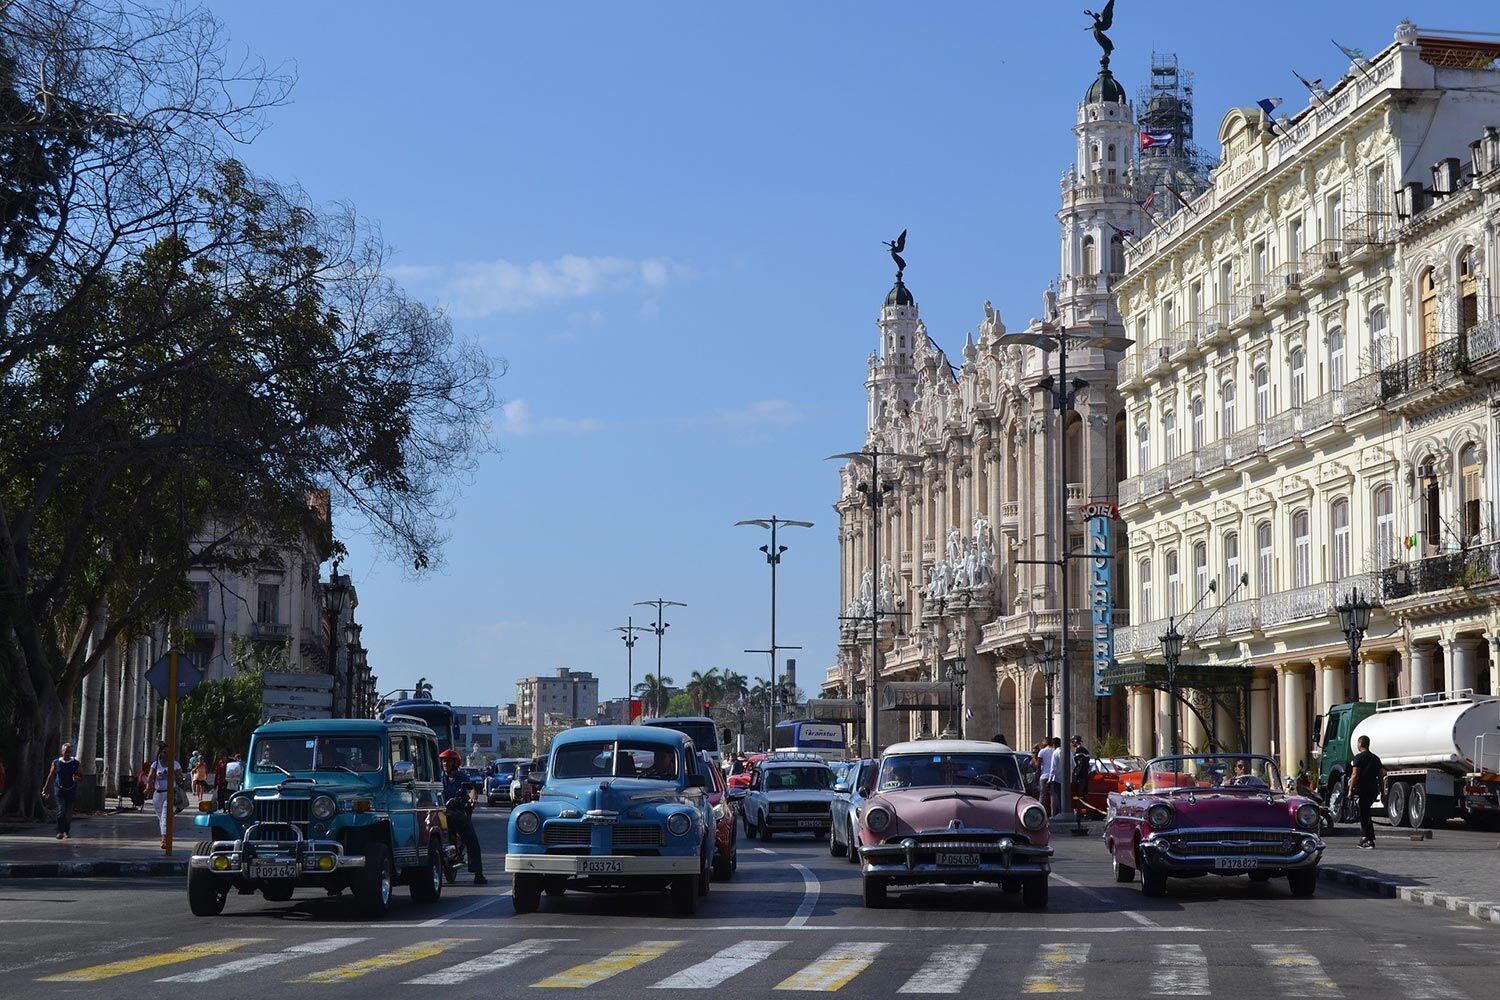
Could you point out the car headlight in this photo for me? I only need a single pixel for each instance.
(1033, 817)
(719, 813)
(1159, 816)
(324, 807)
(242, 807)
(1307, 815)
(877, 819)
(679, 824)
(528, 822)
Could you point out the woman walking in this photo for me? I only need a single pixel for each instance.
(62, 782)
(163, 784)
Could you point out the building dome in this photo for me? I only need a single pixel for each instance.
(1105, 89)
(899, 295)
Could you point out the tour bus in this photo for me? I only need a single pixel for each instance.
(438, 715)
(825, 739)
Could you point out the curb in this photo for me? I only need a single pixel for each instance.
(91, 869)
(1394, 887)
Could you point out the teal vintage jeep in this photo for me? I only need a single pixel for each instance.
(333, 804)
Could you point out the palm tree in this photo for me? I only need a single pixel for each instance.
(703, 687)
(735, 685)
(654, 691)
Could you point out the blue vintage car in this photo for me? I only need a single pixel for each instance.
(328, 803)
(624, 808)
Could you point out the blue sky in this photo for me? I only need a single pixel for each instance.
(667, 218)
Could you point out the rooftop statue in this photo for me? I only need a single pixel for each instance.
(1102, 23)
(897, 246)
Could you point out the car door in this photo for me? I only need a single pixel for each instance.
(403, 802)
(428, 793)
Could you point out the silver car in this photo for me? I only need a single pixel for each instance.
(790, 793)
(848, 802)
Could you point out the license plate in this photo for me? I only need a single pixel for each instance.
(805, 823)
(951, 859)
(263, 870)
(1235, 864)
(587, 867)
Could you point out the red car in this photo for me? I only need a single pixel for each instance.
(741, 778)
(726, 833)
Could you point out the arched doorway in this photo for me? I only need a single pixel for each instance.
(1007, 717)
(1037, 710)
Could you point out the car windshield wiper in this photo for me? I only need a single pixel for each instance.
(277, 766)
(346, 767)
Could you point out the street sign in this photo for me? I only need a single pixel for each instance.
(276, 697)
(189, 675)
(292, 679)
(292, 695)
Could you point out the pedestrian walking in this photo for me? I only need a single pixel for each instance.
(62, 784)
(162, 780)
(1364, 782)
(199, 767)
(1048, 758)
(221, 791)
(234, 774)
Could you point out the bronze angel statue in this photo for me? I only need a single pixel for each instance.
(898, 245)
(1102, 23)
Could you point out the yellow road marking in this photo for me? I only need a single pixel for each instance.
(390, 960)
(834, 968)
(612, 964)
(155, 960)
(1060, 965)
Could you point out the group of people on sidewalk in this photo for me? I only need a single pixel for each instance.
(1061, 770)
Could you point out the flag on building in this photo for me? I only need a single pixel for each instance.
(1180, 197)
(1269, 105)
(1147, 202)
(1356, 56)
(1315, 86)
(1153, 139)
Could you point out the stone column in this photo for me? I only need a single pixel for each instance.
(1194, 733)
(1372, 676)
(1331, 682)
(1142, 731)
(1419, 674)
(1293, 716)
(1494, 664)
(1162, 710)
(1260, 715)
(1461, 669)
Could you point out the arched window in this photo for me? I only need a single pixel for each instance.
(1169, 435)
(1301, 550)
(1266, 566)
(1338, 514)
(1200, 571)
(1226, 409)
(1143, 447)
(1335, 359)
(1468, 289)
(1385, 525)
(1111, 152)
(1470, 480)
(1143, 569)
(1297, 362)
(1172, 585)
(1117, 254)
(1427, 292)
(1090, 257)
(1380, 343)
(1197, 423)
(1231, 561)
(1262, 394)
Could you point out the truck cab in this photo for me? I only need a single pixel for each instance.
(1333, 749)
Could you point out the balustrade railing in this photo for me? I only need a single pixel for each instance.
(1130, 490)
(1209, 457)
(1183, 339)
(1153, 481)
(1249, 301)
(1245, 443)
(1181, 469)
(1436, 364)
(1241, 616)
(1297, 604)
(1125, 373)
(1326, 409)
(1465, 568)
(1284, 426)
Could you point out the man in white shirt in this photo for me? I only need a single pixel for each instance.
(1049, 774)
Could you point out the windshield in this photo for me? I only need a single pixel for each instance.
(781, 779)
(927, 770)
(1231, 771)
(600, 759)
(274, 754)
(700, 731)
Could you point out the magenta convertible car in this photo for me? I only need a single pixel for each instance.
(952, 812)
(1213, 814)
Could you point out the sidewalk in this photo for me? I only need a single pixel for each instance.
(1458, 869)
(103, 844)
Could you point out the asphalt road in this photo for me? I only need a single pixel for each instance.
(790, 920)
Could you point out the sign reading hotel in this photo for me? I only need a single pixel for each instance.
(1101, 515)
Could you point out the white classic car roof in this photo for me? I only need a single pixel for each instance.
(947, 746)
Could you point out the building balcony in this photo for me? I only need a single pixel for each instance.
(1284, 286)
(1209, 459)
(1299, 604)
(1245, 445)
(906, 559)
(1075, 497)
(1323, 263)
(1483, 345)
(1130, 491)
(1213, 325)
(1153, 482)
(1429, 379)
(1010, 514)
(1248, 308)
(1285, 428)
(270, 632)
(1466, 569)
(1367, 234)
(1181, 469)
(1155, 357)
(203, 628)
(928, 549)
(1182, 342)
(1128, 374)
(1241, 616)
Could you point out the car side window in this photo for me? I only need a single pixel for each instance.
(400, 750)
(422, 759)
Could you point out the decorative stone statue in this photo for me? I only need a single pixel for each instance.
(897, 246)
(984, 553)
(955, 547)
(866, 595)
(961, 581)
(887, 588)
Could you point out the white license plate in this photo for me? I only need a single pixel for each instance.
(809, 822)
(263, 870)
(952, 859)
(1235, 864)
(587, 867)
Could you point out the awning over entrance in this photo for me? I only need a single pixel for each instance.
(918, 696)
(832, 710)
(1198, 676)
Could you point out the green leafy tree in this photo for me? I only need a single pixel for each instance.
(681, 704)
(654, 692)
(219, 716)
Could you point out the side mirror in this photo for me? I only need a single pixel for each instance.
(1130, 786)
(404, 772)
(864, 791)
(840, 788)
(736, 794)
(694, 781)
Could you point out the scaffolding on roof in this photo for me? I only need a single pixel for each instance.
(1165, 106)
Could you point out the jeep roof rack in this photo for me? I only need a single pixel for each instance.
(410, 719)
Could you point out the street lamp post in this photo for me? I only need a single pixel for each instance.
(859, 717)
(958, 672)
(1354, 620)
(1058, 339)
(773, 553)
(1049, 675)
(1171, 644)
(335, 597)
(627, 633)
(661, 629)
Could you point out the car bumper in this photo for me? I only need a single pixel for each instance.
(913, 861)
(309, 858)
(589, 866)
(1227, 855)
(787, 822)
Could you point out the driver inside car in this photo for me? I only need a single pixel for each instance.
(456, 786)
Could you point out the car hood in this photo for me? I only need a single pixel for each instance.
(1219, 808)
(614, 794)
(345, 785)
(801, 794)
(926, 810)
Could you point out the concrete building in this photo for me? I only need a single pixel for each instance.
(541, 701)
(1309, 403)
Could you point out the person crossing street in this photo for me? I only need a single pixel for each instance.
(62, 783)
(161, 779)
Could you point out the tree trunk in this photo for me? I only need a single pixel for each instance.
(111, 708)
(39, 734)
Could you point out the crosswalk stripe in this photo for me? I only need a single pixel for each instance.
(1180, 968)
(947, 970)
(834, 968)
(1297, 973)
(612, 964)
(1418, 981)
(390, 960)
(1059, 969)
(495, 960)
(729, 962)
(254, 962)
(155, 960)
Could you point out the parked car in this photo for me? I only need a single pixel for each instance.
(1108, 775)
(497, 786)
(331, 804)
(624, 808)
(848, 801)
(788, 793)
(726, 816)
(952, 812)
(1213, 814)
(530, 780)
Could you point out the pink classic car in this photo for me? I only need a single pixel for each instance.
(1213, 814)
(952, 812)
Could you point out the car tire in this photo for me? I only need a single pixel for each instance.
(765, 830)
(874, 892)
(749, 828)
(705, 882)
(555, 887)
(1123, 873)
(1304, 882)
(724, 865)
(1034, 893)
(372, 889)
(426, 883)
(853, 854)
(836, 849)
(1338, 800)
(206, 893)
(526, 893)
(1153, 882)
(684, 890)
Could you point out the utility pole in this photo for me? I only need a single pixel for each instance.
(773, 553)
(629, 630)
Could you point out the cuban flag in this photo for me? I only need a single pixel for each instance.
(1151, 140)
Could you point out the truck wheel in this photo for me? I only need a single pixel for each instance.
(426, 883)
(1395, 803)
(1338, 799)
(206, 894)
(372, 888)
(1418, 812)
(1034, 893)
(874, 892)
(1304, 881)
(526, 893)
(1153, 882)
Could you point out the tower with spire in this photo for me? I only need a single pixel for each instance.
(892, 382)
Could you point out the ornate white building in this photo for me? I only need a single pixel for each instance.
(978, 490)
(1311, 400)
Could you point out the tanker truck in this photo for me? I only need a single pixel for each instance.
(1441, 754)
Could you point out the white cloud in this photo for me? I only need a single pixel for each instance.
(650, 310)
(516, 420)
(764, 413)
(483, 288)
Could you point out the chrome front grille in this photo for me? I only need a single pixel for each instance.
(282, 811)
(566, 834)
(637, 835)
(800, 807)
(1214, 843)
